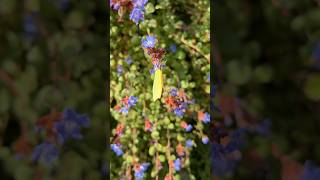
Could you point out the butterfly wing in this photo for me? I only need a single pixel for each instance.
(157, 85)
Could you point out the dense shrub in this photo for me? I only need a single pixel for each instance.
(155, 138)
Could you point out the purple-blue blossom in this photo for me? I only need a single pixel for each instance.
(177, 164)
(189, 143)
(115, 6)
(206, 118)
(189, 128)
(119, 69)
(115, 148)
(205, 140)
(179, 111)
(139, 173)
(124, 110)
(70, 125)
(144, 166)
(137, 14)
(139, 3)
(149, 42)
(128, 60)
(174, 92)
(132, 101)
(45, 152)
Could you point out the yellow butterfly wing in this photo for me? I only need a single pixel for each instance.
(157, 85)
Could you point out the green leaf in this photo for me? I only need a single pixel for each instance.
(149, 8)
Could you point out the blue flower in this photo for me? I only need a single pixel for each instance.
(139, 3)
(70, 125)
(310, 171)
(132, 101)
(119, 69)
(179, 111)
(128, 60)
(71, 115)
(115, 148)
(177, 164)
(189, 143)
(145, 166)
(173, 48)
(189, 128)
(140, 172)
(115, 6)
(206, 118)
(149, 42)
(137, 14)
(124, 110)
(46, 152)
(174, 92)
(205, 140)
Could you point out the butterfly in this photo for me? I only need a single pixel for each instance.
(157, 85)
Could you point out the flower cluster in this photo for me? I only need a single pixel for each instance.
(126, 104)
(69, 127)
(137, 8)
(58, 128)
(137, 13)
(177, 102)
(116, 148)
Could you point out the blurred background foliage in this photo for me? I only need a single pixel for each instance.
(51, 56)
(267, 63)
